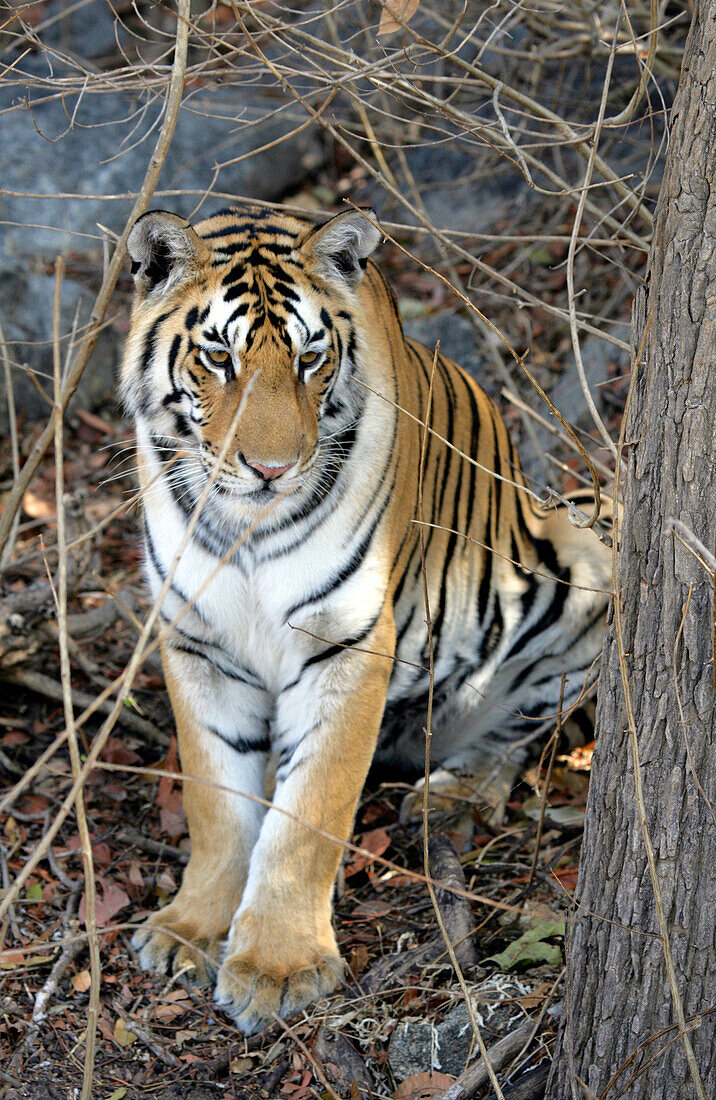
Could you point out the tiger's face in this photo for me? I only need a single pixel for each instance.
(243, 343)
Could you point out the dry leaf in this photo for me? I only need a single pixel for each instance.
(81, 981)
(37, 508)
(110, 899)
(166, 883)
(239, 1066)
(13, 831)
(423, 1086)
(13, 959)
(172, 1005)
(124, 1038)
(134, 874)
(173, 819)
(116, 752)
(395, 14)
(358, 960)
(376, 842)
(94, 422)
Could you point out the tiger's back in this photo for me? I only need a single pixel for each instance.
(279, 412)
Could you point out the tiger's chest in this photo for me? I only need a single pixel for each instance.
(257, 610)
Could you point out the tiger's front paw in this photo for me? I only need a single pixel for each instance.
(168, 941)
(254, 998)
(266, 975)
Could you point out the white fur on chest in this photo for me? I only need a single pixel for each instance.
(250, 607)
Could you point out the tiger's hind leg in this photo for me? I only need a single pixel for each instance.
(187, 935)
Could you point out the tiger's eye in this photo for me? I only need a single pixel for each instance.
(308, 358)
(218, 357)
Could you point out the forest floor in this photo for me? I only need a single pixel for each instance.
(399, 1026)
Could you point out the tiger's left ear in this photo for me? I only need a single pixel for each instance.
(342, 246)
(165, 251)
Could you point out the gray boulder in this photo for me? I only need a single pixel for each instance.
(458, 341)
(63, 150)
(420, 1045)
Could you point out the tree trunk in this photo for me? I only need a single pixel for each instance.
(619, 1000)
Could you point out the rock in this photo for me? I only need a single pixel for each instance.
(598, 357)
(458, 341)
(419, 1045)
(101, 153)
(26, 307)
(87, 30)
(413, 1048)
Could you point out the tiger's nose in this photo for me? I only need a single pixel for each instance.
(268, 473)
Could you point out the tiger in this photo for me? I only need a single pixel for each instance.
(335, 525)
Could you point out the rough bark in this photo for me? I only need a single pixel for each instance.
(618, 993)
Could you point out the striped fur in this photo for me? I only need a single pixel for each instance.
(310, 640)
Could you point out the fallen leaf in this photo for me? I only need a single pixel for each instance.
(172, 818)
(37, 508)
(101, 854)
(170, 1007)
(559, 815)
(184, 1036)
(118, 1094)
(375, 908)
(166, 883)
(580, 758)
(94, 422)
(395, 14)
(81, 981)
(124, 1037)
(110, 899)
(531, 948)
(566, 877)
(170, 763)
(10, 960)
(239, 1066)
(116, 752)
(423, 1086)
(15, 737)
(358, 959)
(376, 842)
(13, 831)
(134, 874)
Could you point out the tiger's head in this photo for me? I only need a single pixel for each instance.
(247, 326)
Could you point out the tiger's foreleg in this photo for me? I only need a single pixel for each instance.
(223, 747)
(282, 951)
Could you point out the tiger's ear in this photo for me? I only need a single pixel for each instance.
(165, 251)
(342, 246)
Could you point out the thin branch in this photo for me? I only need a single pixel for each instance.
(66, 675)
(86, 348)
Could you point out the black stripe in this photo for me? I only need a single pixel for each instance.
(189, 647)
(346, 572)
(242, 744)
(154, 558)
(235, 291)
(548, 619)
(474, 444)
(333, 650)
(454, 525)
(492, 633)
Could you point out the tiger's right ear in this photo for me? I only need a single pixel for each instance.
(164, 250)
